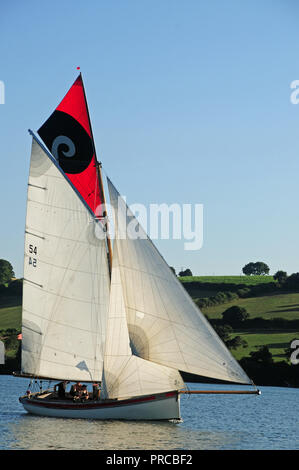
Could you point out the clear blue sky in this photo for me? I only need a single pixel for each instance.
(189, 102)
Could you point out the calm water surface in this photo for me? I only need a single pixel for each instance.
(267, 421)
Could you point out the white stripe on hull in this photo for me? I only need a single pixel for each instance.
(158, 407)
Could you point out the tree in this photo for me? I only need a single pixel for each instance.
(6, 271)
(236, 343)
(224, 332)
(258, 268)
(187, 272)
(280, 276)
(261, 268)
(292, 281)
(263, 355)
(248, 269)
(235, 315)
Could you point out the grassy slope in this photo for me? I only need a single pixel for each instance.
(248, 280)
(274, 305)
(10, 317)
(284, 305)
(268, 306)
(10, 312)
(276, 342)
(212, 284)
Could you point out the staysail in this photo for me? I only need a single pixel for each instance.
(124, 374)
(67, 134)
(66, 278)
(165, 326)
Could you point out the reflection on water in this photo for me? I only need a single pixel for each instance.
(269, 421)
(50, 433)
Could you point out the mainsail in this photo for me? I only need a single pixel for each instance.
(66, 278)
(165, 326)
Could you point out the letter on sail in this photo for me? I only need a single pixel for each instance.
(165, 326)
(66, 278)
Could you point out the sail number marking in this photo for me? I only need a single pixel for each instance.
(32, 260)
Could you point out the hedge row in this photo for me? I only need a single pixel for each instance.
(260, 323)
(227, 296)
(220, 298)
(223, 286)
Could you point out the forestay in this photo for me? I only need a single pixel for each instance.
(165, 326)
(66, 278)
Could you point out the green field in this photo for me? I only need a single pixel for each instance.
(208, 286)
(10, 317)
(276, 342)
(246, 280)
(274, 305)
(277, 304)
(10, 313)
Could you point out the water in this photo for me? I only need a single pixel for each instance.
(213, 422)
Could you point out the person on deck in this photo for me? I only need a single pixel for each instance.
(95, 391)
(75, 391)
(61, 386)
(84, 393)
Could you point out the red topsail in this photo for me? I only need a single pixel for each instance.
(68, 135)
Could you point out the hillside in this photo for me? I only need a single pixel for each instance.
(275, 303)
(237, 280)
(10, 312)
(261, 296)
(272, 305)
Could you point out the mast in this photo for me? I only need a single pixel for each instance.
(105, 215)
(101, 186)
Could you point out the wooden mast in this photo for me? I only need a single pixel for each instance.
(109, 246)
(101, 187)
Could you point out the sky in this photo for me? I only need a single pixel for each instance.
(190, 103)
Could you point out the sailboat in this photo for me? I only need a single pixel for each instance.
(92, 313)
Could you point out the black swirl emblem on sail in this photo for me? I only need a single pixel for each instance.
(68, 142)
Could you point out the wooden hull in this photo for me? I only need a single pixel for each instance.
(163, 406)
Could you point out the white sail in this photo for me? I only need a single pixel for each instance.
(66, 279)
(126, 375)
(165, 326)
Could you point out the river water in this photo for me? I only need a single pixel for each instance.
(214, 422)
